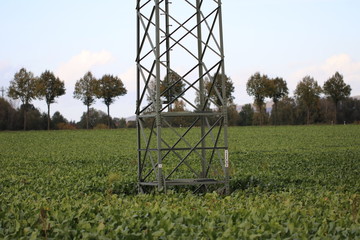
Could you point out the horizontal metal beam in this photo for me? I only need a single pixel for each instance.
(180, 149)
(179, 182)
(182, 114)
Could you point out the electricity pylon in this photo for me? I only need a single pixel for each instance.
(180, 62)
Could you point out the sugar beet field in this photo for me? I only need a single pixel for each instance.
(296, 182)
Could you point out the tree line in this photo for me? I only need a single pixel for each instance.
(307, 106)
(311, 104)
(26, 87)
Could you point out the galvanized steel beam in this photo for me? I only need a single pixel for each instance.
(184, 38)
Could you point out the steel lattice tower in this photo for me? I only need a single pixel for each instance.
(180, 61)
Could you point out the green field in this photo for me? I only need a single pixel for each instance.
(295, 182)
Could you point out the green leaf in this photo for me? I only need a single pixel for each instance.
(101, 227)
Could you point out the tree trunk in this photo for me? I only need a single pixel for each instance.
(87, 117)
(260, 111)
(276, 112)
(48, 128)
(335, 114)
(108, 112)
(308, 116)
(25, 113)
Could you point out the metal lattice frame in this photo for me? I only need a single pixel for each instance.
(183, 37)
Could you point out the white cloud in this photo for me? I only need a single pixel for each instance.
(129, 79)
(3, 65)
(78, 65)
(343, 63)
(7, 72)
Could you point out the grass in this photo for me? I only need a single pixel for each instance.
(288, 182)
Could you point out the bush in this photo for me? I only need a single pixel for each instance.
(65, 126)
(131, 124)
(101, 126)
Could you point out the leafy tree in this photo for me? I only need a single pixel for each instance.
(257, 86)
(58, 119)
(85, 90)
(212, 84)
(119, 122)
(131, 124)
(308, 92)
(171, 87)
(198, 103)
(109, 88)
(151, 95)
(337, 90)
(246, 115)
(350, 110)
(92, 118)
(50, 87)
(233, 115)
(23, 87)
(7, 115)
(327, 110)
(179, 106)
(277, 89)
(285, 111)
(35, 120)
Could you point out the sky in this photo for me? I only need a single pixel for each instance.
(281, 38)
